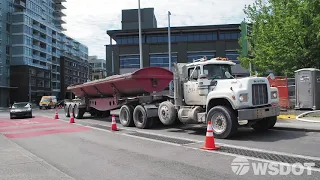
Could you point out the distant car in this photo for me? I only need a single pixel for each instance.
(21, 109)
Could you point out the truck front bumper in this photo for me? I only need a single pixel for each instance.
(258, 113)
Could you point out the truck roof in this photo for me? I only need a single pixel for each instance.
(204, 61)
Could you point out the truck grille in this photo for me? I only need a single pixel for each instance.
(259, 94)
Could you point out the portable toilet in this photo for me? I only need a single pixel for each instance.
(307, 88)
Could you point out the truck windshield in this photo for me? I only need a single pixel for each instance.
(216, 71)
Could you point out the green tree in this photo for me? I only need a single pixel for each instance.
(285, 35)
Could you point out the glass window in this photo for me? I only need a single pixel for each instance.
(216, 71)
(230, 35)
(27, 40)
(162, 60)
(136, 40)
(196, 71)
(130, 61)
(233, 55)
(130, 40)
(190, 37)
(197, 55)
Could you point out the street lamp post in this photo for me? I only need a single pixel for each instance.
(140, 38)
(169, 49)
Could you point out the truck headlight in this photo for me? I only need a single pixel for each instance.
(243, 97)
(274, 94)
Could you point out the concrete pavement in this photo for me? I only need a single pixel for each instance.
(18, 163)
(287, 136)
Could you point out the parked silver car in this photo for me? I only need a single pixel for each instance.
(21, 109)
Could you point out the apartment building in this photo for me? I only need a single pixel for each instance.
(98, 67)
(74, 66)
(31, 49)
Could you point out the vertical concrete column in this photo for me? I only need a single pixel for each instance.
(220, 49)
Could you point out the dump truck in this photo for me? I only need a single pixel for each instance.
(203, 90)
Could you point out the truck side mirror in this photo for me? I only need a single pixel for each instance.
(194, 76)
(271, 75)
(227, 74)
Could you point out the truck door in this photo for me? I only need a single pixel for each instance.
(191, 94)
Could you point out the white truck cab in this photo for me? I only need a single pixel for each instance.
(209, 92)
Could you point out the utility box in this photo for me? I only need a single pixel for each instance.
(307, 88)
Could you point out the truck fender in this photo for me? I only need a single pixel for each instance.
(219, 100)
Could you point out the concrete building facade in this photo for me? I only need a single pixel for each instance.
(35, 42)
(187, 44)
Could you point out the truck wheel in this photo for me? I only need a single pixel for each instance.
(126, 116)
(167, 113)
(78, 112)
(70, 110)
(265, 124)
(224, 122)
(66, 111)
(140, 117)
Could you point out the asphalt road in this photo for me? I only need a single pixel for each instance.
(43, 148)
(286, 137)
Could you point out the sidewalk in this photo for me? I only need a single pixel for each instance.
(296, 125)
(18, 163)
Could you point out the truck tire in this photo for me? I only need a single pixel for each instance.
(140, 118)
(167, 113)
(224, 121)
(70, 110)
(66, 111)
(265, 124)
(78, 112)
(126, 116)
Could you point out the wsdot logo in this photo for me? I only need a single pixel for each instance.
(240, 166)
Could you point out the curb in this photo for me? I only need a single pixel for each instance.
(287, 117)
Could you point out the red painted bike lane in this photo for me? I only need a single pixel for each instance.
(37, 126)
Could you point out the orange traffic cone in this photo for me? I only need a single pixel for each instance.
(71, 118)
(56, 116)
(210, 144)
(114, 124)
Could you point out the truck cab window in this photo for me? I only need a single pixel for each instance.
(195, 74)
(216, 71)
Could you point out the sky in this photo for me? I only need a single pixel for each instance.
(88, 20)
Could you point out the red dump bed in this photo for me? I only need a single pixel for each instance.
(146, 80)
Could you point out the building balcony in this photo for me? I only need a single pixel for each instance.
(39, 29)
(58, 13)
(39, 38)
(21, 4)
(69, 44)
(54, 36)
(59, 20)
(59, 1)
(58, 6)
(39, 48)
(54, 54)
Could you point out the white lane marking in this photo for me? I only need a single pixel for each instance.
(217, 151)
